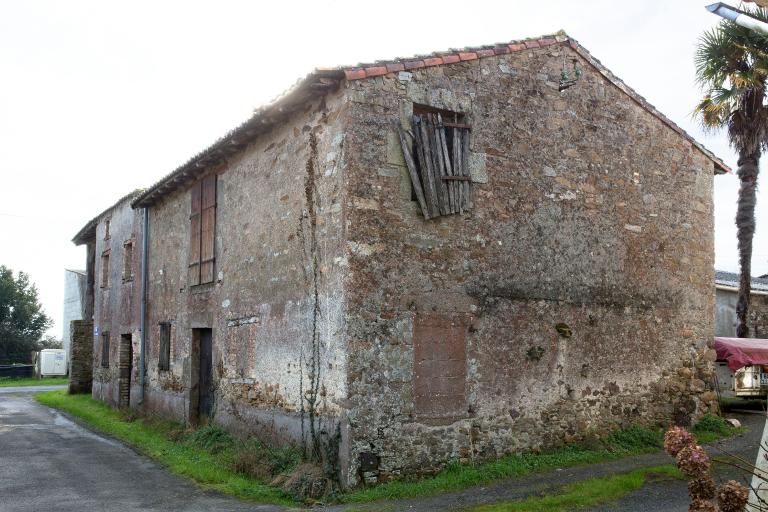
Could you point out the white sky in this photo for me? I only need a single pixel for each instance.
(99, 98)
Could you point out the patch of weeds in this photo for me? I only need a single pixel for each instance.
(635, 440)
(212, 438)
(255, 459)
(586, 494)
(710, 428)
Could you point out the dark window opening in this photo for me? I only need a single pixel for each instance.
(438, 161)
(106, 229)
(105, 269)
(105, 350)
(164, 361)
(128, 261)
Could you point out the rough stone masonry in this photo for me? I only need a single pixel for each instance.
(574, 297)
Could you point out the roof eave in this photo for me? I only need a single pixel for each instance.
(314, 85)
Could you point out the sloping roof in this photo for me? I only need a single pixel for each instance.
(88, 231)
(324, 79)
(731, 280)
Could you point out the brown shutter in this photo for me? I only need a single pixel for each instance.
(194, 236)
(208, 229)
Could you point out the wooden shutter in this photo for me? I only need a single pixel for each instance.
(164, 362)
(438, 164)
(208, 229)
(194, 235)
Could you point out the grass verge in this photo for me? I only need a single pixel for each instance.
(206, 455)
(31, 381)
(588, 493)
(215, 460)
(621, 443)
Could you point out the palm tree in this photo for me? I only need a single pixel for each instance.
(732, 67)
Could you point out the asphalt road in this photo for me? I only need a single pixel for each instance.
(47, 462)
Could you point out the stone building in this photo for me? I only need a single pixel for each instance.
(296, 290)
(726, 298)
(113, 241)
(74, 300)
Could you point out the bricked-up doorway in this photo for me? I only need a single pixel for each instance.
(201, 389)
(439, 367)
(125, 367)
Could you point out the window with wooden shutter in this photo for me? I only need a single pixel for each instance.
(208, 229)
(436, 153)
(164, 362)
(128, 261)
(105, 269)
(202, 224)
(105, 350)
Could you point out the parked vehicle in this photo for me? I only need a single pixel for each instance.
(742, 367)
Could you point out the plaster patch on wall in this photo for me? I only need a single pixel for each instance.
(477, 167)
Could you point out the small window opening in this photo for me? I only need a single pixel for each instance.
(106, 229)
(105, 269)
(438, 161)
(105, 350)
(128, 261)
(164, 362)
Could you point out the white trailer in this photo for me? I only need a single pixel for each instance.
(52, 362)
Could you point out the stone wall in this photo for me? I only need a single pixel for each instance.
(575, 298)
(276, 306)
(117, 299)
(81, 356)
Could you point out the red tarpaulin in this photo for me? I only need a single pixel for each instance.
(741, 352)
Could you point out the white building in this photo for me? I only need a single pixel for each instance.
(74, 295)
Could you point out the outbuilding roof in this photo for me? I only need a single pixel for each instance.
(325, 79)
(731, 280)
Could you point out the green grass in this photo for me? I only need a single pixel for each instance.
(588, 493)
(205, 455)
(6, 382)
(618, 444)
(211, 457)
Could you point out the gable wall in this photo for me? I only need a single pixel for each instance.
(589, 212)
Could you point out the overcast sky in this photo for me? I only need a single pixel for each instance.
(99, 98)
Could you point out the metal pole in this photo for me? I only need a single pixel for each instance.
(738, 17)
(143, 349)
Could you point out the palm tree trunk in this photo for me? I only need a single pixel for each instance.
(745, 226)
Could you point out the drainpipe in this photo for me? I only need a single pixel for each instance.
(143, 349)
(738, 17)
